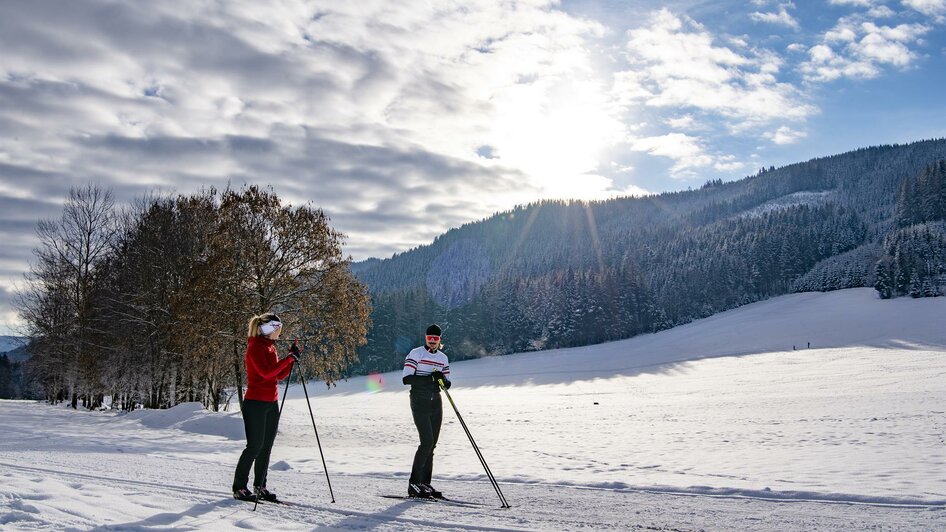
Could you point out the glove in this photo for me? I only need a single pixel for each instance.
(294, 352)
(419, 380)
(439, 377)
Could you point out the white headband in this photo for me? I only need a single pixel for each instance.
(269, 327)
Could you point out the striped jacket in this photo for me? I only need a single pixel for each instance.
(422, 362)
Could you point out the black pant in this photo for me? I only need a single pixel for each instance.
(260, 419)
(428, 414)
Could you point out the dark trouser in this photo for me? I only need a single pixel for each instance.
(428, 414)
(260, 419)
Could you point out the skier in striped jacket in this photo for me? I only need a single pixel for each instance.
(423, 368)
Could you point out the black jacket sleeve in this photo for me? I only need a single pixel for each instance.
(416, 379)
(425, 381)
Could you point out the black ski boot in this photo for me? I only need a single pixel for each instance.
(432, 492)
(244, 494)
(417, 491)
(265, 495)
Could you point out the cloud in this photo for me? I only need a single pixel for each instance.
(678, 69)
(881, 12)
(859, 48)
(688, 152)
(634, 190)
(728, 163)
(876, 8)
(932, 8)
(840, 34)
(785, 135)
(9, 319)
(344, 104)
(859, 3)
(684, 122)
(677, 64)
(883, 44)
(620, 168)
(781, 17)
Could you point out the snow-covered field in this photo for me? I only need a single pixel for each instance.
(716, 425)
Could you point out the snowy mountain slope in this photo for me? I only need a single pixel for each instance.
(663, 431)
(845, 318)
(542, 274)
(9, 343)
(795, 199)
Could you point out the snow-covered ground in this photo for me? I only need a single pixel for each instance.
(716, 425)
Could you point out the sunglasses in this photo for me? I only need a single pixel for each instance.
(432, 338)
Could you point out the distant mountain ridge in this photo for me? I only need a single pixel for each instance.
(9, 343)
(560, 274)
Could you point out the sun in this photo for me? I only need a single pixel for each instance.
(557, 132)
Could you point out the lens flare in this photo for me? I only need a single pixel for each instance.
(374, 383)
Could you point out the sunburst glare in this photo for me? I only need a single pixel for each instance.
(557, 134)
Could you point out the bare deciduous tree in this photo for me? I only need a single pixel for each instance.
(62, 303)
(150, 306)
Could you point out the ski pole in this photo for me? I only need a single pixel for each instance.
(285, 393)
(476, 448)
(312, 416)
(479, 454)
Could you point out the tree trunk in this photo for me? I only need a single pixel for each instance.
(238, 374)
(172, 391)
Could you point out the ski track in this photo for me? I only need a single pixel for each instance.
(537, 507)
(206, 501)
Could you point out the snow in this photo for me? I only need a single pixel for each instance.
(718, 424)
(796, 199)
(191, 417)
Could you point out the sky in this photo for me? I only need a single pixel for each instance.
(404, 119)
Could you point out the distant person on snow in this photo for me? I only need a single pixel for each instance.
(261, 404)
(424, 368)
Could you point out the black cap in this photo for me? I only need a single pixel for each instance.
(433, 330)
(268, 317)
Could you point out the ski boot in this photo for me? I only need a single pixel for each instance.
(417, 491)
(244, 494)
(432, 492)
(265, 495)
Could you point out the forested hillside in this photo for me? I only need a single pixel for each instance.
(556, 274)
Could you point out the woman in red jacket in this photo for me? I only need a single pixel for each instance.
(261, 404)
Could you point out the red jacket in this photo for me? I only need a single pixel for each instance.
(264, 369)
